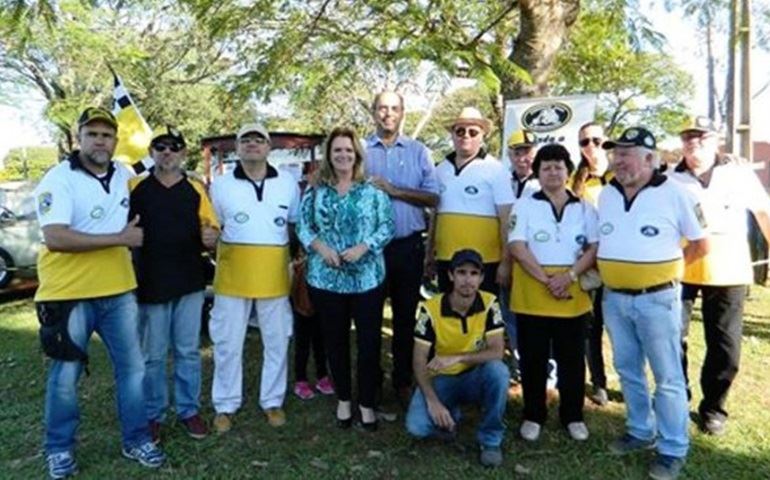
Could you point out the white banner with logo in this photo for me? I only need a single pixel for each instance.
(551, 120)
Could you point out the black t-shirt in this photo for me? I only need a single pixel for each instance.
(169, 263)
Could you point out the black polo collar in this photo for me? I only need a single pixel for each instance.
(259, 186)
(682, 167)
(452, 157)
(571, 198)
(104, 181)
(656, 180)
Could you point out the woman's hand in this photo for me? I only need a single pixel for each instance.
(352, 254)
(558, 284)
(329, 255)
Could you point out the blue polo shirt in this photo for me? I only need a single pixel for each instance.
(405, 164)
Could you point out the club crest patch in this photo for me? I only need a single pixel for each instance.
(241, 217)
(44, 202)
(421, 326)
(97, 212)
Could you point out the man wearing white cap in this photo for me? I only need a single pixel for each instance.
(257, 206)
(475, 203)
(727, 189)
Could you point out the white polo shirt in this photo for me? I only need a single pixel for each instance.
(524, 188)
(732, 190)
(640, 240)
(72, 196)
(253, 251)
(467, 209)
(556, 241)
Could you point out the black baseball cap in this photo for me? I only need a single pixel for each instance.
(632, 137)
(93, 114)
(461, 257)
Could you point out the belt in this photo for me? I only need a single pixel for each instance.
(417, 235)
(652, 289)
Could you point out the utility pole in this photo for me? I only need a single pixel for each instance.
(739, 101)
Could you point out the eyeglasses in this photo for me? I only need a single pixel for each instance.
(253, 138)
(472, 132)
(595, 140)
(161, 147)
(693, 135)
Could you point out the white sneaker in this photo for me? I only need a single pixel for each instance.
(530, 431)
(578, 431)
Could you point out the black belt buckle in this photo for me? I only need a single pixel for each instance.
(652, 289)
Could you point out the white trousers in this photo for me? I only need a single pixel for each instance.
(227, 328)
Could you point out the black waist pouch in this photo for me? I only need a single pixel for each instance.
(54, 334)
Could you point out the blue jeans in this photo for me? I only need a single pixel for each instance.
(648, 327)
(510, 328)
(176, 323)
(486, 386)
(115, 320)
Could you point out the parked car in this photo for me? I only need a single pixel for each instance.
(19, 242)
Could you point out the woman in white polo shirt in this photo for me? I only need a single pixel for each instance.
(553, 238)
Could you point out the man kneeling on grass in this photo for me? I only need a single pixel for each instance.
(457, 360)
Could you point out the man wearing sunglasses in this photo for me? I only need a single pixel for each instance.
(86, 286)
(475, 202)
(179, 223)
(727, 189)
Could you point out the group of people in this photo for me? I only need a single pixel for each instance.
(533, 247)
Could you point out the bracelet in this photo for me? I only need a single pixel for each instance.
(572, 275)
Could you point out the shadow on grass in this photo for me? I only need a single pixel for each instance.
(310, 446)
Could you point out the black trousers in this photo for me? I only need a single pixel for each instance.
(723, 327)
(404, 258)
(336, 311)
(488, 285)
(307, 335)
(594, 347)
(536, 336)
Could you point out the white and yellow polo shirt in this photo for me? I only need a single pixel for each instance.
(467, 210)
(640, 240)
(72, 196)
(556, 241)
(732, 190)
(253, 251)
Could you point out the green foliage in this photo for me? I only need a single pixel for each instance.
(28, 163)
(646, 88)
(175, 73)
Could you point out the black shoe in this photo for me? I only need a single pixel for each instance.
(368, 427)
(344, 423)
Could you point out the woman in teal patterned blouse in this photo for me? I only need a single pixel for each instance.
(345, 224)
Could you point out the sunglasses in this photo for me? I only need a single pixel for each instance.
(253, 138)
(595, 140)
(472, 132)
(161, 147)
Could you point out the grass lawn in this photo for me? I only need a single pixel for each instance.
(310, 446)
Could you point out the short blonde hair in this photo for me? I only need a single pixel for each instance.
(326, 174)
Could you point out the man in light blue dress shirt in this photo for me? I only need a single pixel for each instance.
(402, 168)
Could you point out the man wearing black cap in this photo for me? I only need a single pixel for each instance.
(727, 189)
(179, 223)
(86, 286)
(643, 215)
(457, 360)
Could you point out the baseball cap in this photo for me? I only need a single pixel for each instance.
(93, 114)
(632, 137)
(521, 138)
(254, 128)
(168, 133)
(467, 255)
(698, 123)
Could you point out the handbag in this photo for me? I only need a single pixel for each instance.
(590, 279)
(300, 293)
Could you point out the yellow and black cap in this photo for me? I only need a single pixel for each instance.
(698, 124)
(632, 137)
(168, 134)
(521, 138)
(97, 114)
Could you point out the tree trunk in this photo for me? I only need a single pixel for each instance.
(712, 87)
(543, 28)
